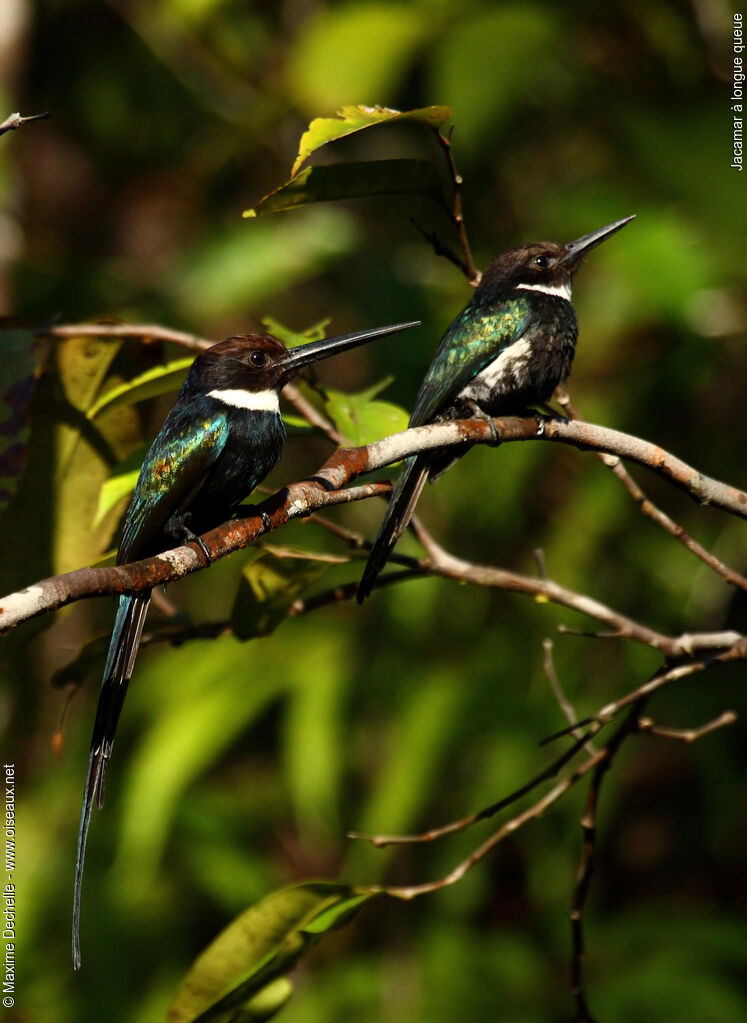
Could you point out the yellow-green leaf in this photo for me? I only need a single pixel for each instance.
(360, 419)
(120, 484)
(83, 462)
(292, 338)
(350, 119)
(159, 380)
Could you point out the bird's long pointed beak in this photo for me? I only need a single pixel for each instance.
(575, 250)
(304, 355)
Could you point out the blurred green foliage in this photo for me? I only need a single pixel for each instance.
(240, 765)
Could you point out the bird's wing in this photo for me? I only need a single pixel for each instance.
(173, 471)
(474, 339)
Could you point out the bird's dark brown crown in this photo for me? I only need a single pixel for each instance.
(537, 263)
(247, 361)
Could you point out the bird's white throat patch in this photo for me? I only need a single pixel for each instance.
(559, 290)
(253, 401)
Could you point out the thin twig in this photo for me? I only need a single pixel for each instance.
(466, 822)
(548, 666)
(443, 563)
(566, 630)
(145, 331)
(347, 591)
(356, 541)
(665, 676)
(587, 866)
(509, 828)
(687, 735)
(14, 121)
(164, 605)
(178, 634)
(649, 509)
(441, 249)
(192, 342)
(469, 269)
(310, 414)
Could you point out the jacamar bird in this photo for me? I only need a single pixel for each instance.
(219, 441)
(509, 348)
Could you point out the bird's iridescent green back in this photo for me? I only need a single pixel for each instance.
(476, 337)
(174, 467)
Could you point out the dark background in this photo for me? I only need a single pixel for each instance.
(239, 766)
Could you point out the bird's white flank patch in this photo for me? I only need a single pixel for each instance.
(559, 290)
(254, 401)
(511, 361)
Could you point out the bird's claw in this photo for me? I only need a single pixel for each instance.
(496, 440)
(203, 547)
(478, 413)
(181, 531)
(251, 509)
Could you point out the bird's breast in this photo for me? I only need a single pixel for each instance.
(529, 368)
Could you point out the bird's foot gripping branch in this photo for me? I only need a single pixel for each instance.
(345, 466)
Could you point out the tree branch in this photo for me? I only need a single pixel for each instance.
(649, 509)
(13, 121)
(509, 828)
(551, 771)
(443, 563)
(324, 489)
(144, 331)
(548, 666)
(735, 651)
(687, 735)
(588, 863)
(192, 342)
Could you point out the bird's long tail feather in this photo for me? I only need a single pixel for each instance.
(120, 661)
(401, 507)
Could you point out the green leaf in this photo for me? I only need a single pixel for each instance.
(266, 1003)
(350, 119)
(360, 419)
(69, 459)
(291, 338)
(353, 181)
(85, 452)
(269, 585)
(121, 483)
(241, 968)
(159, 380)
(18, 371)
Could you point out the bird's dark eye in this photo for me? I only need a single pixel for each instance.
(541, 262)
(259, 359)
